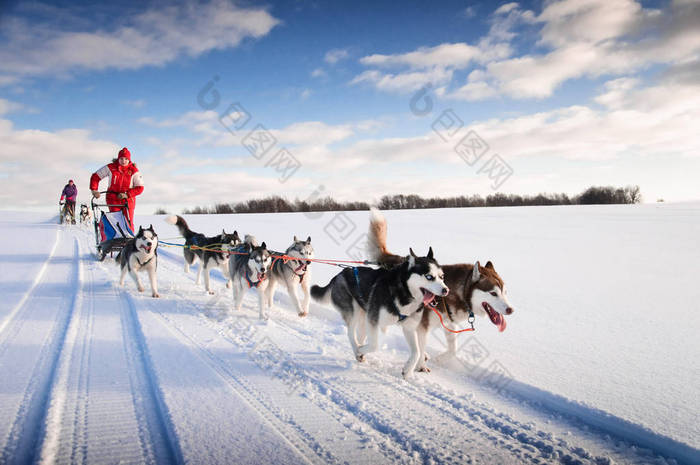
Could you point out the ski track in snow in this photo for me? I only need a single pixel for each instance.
(101, 374)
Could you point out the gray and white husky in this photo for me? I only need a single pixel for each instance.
(140, 254)
(293, 272)
(474, 289)
(371, 299)
(209, 258)
(250, 269)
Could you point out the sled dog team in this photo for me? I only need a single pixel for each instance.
(404, 290)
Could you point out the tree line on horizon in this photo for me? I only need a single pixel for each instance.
(595, 195)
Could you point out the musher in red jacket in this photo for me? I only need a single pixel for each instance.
(125, 183)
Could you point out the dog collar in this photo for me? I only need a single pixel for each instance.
(254, 284)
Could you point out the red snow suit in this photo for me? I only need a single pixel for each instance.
(123, 179)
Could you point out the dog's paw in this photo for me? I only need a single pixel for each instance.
(155, 295)
(407, 375)
(423, 369)
(228, 285)
(302, 314)
(141, 289)
(210, 292)
(360, 357)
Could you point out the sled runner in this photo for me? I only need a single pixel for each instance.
(112, 229)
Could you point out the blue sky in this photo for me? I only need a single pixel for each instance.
(567, 94)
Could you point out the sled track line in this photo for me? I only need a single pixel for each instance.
(37, 279)
(27, 429)
(156, 430)
(476, 418)
(301, 440)
(59, 390)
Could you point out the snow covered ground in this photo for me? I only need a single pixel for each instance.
(601, 355)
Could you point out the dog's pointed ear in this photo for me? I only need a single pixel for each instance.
(295, 238)
(430, 253)
(308, 240)
(140, 230)
(412, 253)
(475, 272)
(411, 258)
(489, 265)
(263, 245)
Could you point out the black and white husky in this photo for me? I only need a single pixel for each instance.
(85, 214)
(209, 258)
(372, 299)
(475, 290)
(140, 254)
(293, 272)
(249, 268)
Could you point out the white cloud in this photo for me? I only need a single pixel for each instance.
(7, 106)
(436, 65)
(37, 164)
(506, 8)
(318, 72)
(584, 38)
(140, 103)
(150, 38)
(334, 56)
(446, 55)
(404, 82)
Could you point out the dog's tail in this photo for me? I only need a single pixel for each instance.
(376, 245)
(321, 294)
(251, 240)
(181, 224)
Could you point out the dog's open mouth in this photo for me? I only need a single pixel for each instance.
(496, 318)
(428, 297)
(146, 248)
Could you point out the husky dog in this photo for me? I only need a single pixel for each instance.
(209, 259)
(371, 299)
(250, 269)
(140, 253)
(475, 288)
(85, 214)
(291, 272)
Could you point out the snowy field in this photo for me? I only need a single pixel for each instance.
(600, 362)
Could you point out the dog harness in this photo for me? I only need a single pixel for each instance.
(356, 273)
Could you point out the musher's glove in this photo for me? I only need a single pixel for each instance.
(123, 195)
(96, 194)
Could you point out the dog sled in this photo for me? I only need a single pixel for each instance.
(112, 231)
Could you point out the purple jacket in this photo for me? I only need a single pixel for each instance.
(69, 192)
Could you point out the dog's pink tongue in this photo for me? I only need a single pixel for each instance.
(428, 297)
(500, 321)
